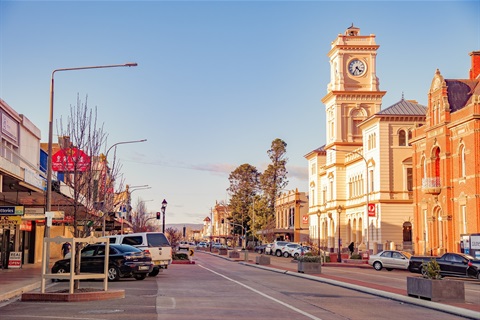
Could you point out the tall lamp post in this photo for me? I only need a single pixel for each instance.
(318, 230)
(164, 207)
(339, 257)
(50, 132)
(105, 182)
(367, 193)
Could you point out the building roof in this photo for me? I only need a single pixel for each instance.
(460, 92)
(405, 107)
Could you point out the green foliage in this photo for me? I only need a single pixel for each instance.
(310, 258)
(431, 270)
(356, 256)
(274, 178)
(180, 256)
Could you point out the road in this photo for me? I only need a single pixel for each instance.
(216, 288)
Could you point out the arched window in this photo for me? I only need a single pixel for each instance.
(402, 139)
(356, 118)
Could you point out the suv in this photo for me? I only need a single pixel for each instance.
(154, 242)
(278, 247)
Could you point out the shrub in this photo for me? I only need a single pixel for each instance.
(431, 270)
(356, 256)
(180, 256)
(310, 258)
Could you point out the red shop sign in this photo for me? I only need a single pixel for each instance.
(70, 159)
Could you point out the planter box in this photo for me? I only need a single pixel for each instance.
(309, 267)
(436, 290)
(262, 260)
(234, 254)
(222, 252)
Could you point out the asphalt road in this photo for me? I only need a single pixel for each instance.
(216, 288)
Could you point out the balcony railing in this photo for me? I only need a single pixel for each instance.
(431, 185)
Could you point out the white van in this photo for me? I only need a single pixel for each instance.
(155, 242)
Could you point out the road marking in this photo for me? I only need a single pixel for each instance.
(263, 294)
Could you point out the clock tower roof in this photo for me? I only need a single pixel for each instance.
(352, 31)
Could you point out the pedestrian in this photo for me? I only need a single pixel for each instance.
(350, 248)
(66, 248)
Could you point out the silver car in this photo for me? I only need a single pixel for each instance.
(390, 259)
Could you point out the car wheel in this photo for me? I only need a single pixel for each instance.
(140, 276)
(113, 273)
(478, 276)
(278, 253)
(377, 265)
(154, 272)
(62, 270)
(285, 254)
(296, 255)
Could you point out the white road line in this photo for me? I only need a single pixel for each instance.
(263, 294)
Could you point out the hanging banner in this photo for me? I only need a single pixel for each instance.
(70, 159)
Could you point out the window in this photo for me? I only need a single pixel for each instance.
(133, 241)
(409, 179)
(402, 139)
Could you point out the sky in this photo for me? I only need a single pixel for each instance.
(216, 81)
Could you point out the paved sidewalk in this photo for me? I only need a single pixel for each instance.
(14, 282)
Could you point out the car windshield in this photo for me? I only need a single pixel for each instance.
(157, 240)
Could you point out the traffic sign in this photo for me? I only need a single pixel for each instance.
(371, 209)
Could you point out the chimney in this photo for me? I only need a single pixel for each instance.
(475, 70)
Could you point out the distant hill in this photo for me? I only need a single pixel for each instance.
(189, 226)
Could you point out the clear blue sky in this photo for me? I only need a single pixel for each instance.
(216, 81)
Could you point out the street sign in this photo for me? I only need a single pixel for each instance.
(371, 210)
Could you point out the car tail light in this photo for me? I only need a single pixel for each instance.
(147, 253)
(469, 263)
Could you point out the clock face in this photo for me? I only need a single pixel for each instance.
(356, 67)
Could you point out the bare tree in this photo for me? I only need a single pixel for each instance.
(142, 220)
(80, 142)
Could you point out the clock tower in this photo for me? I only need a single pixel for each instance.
(353, 93)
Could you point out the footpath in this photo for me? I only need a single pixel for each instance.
(14, 282)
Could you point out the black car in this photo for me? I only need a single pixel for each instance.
(124, 261)
(451, 264)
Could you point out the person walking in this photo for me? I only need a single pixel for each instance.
(66, 248)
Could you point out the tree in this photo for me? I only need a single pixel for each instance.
(244, 185)
(80, 142)
(274, 178)
(173, 235)
(142, 220)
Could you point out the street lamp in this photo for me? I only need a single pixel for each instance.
(164, 207)
(50, 132)
(339, 257)
(367, 193)
(105, 182)
(318, 230)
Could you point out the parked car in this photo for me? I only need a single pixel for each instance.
(202, 245)
(268, 248)
(185, 245)
(217, 245)
(390, 259)
(260, 248)
(154, 242)
(289, 248)
(298, 251)
(124, 261)
(278, 247)
(451, 264)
